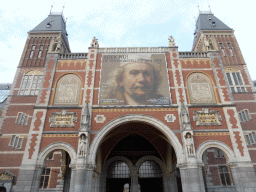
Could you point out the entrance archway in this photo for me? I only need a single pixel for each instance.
(165, 130)
(144, 151)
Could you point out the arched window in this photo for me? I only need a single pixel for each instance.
(150, 169)
(68, 90)
(200, 89)
(30, 83)
(118, 169)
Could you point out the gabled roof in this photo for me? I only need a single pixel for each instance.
(207, 21)
(53, 23)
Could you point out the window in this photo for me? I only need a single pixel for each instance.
(16, 142)
(250, 137)
(213, 24)
(225, 175)
(40, 51)
(32, 51)
(230, 49)
(235, 80)
(218, 153)
(222, 49)
(22, 119)
(31, 82)
(45, 178)
(244, 115)
(50, 157)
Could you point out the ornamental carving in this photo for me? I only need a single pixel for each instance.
(207, 117)
(200, 89)
(68, 90)
(6, 176)
(63, 119)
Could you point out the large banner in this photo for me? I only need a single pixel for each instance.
(134, 79)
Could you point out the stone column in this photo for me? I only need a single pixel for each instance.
(172, 182)
(38, 173)
(89, 177)
(134, 182)
(80, 178)
(97, 182)
(191, 178)
(243, 176)
(103, 182)
(73, 178)
(165, 183)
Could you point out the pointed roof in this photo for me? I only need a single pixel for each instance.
(55, 22)
(207, 21)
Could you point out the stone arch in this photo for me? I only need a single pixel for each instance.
(68, 89)
(227, 151)
(56, 146)
(151, 158)
(172, 138)
(118, 158)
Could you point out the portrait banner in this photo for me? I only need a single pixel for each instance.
(134, 79)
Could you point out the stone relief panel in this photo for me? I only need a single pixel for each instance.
(207, 117)
(63, 119)
(200, 89)
(68, 90)
(170, 118)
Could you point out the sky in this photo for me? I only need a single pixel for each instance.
(122, 23)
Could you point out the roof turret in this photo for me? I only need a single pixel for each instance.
(55, 22)
(206, 21)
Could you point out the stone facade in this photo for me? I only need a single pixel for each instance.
(194, 132)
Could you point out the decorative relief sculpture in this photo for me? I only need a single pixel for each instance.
(207, 117)
(171, 41)
(200, 89)
(56, 45)
(209, 44)
(170, 118)
(189, 144)
(94, 42)
(6, 176)
(100, 118)
(68, 90)
(184, 118)
(63, 119)
(82, 145)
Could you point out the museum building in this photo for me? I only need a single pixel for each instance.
(130, 119)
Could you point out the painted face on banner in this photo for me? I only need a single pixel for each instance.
(138, 79)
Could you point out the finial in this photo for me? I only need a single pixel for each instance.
(209, 7)
(51, 8)
(63, 8)
(198, 8)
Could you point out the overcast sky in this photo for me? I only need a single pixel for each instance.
(122, 23)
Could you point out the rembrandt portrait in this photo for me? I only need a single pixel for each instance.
(134, 80)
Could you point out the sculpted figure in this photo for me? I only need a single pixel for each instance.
(171, 41)
(82, 145)
(189, 144)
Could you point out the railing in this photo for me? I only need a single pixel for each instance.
(135, 50)
(73, 56)
(193, 54)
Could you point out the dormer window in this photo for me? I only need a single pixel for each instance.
(195, 34)
(209, 17)
(48, 25)
(213, 24)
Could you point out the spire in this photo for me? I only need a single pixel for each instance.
(207, 21)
